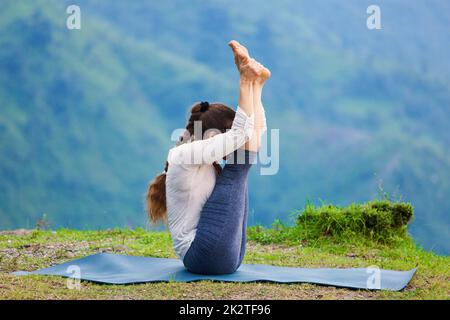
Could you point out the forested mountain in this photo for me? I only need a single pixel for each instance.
(86, 115)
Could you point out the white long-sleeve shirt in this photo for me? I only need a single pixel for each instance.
(191, 177)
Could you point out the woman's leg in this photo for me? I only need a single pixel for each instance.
(258, 109)
(244, 227)
(253, 77)
(220, 237)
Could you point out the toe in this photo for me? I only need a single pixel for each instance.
(233, 44)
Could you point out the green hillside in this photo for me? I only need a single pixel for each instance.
(70, 146)
(87, 115)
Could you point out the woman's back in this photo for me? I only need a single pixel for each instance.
(188, 187)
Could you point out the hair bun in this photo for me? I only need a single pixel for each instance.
(204, 105)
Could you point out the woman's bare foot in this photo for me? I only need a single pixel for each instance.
(264, 74)
(250, 71)
(242, 58)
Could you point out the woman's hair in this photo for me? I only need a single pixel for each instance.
(214, 116)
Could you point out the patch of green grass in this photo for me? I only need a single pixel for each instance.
(38, 249)
(379, 221)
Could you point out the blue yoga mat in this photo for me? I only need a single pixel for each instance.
(122, 269)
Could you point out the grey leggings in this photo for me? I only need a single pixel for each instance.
(219, 243)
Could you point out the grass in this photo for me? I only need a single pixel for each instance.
(30, 250)
(378, 221)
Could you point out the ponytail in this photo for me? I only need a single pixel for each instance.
(156, 206)
(156, 198)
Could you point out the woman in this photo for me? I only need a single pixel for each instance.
(206, 206)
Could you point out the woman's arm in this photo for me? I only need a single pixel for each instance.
(214, 149)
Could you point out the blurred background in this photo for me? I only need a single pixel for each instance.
(86, 115)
